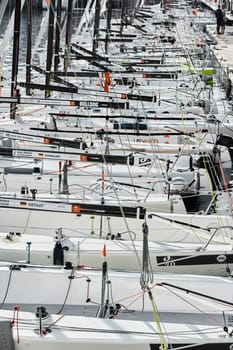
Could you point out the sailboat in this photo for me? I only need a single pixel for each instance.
(215, 259)
(40, 329)
(89, 290)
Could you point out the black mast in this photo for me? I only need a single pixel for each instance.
(29, 45)
(96, 25)
(57, 35)
(123, 12)
(68, 34)
(108, 25)
(15, 58)
(48, 75)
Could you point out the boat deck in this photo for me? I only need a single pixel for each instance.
(224, 42)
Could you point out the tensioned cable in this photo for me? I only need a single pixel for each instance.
(7, 288)
(71, 277)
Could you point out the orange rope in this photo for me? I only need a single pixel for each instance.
(194, 306)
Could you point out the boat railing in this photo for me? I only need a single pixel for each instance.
(216, 229)
(155, 183)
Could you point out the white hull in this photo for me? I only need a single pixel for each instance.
(74, 332)
(59, 289)
(160, 229)
(120, 254)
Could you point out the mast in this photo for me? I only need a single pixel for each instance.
(15, 58)
(57, 35)
(96, 25)
(48, 74)
(29, 45)
(123, 7)
(68, 34)
(108, 25)
(103, 303)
